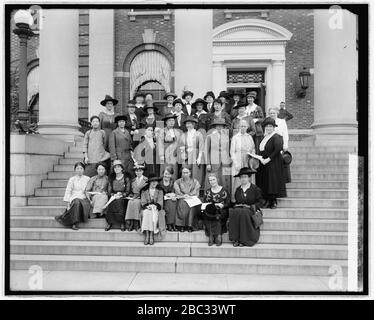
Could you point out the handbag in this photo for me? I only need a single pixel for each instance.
(257, 217)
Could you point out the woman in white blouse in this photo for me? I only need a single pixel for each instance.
(281, 128)
(78, 206)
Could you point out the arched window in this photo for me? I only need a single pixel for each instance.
(154, 87)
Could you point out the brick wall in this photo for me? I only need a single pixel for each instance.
(299, 53)
(128, 36)
(83, 63)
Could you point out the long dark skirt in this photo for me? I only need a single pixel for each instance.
(215, 227)
(241, 227)
(116, 211)
(185, 215)
(78, 212)
(170, 208)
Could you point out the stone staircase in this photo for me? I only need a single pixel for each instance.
(305, 235)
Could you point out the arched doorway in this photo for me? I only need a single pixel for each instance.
(156, 89)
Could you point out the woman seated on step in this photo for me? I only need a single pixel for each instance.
(78, 206)
(119, 190)
(152, 215)
(243, 230)
(134, 205)
(215, 215)
(97, 191)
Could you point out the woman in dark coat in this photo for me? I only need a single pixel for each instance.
(215, 217)
(119, 189)
(78, 206)
(107, 117)
(270, 176)
(170, 200)
(248, 198)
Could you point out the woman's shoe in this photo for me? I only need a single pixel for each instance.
(236, 244)
(173, 228)
(108, 227)
(122, 227)
(241, 245)
(151, 239)
(168, 228)
(74, 227)
(211, 241)
(182, 229)
(219, 240)
(189, 229)
(146, 238)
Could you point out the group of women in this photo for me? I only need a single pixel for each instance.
(222, 151)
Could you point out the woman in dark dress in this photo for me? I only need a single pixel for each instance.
(170, 198)
(215, 224)
(78, 206)
(270, 176)
(248, 198)
(119, 189)
(107, 117)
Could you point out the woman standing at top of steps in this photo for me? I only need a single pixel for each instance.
(107, 117)
(78, 207)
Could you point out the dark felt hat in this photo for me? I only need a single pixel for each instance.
(170, 94)
(237, 93)
(211, 211)
(253, 163)
(151, 106)
(187, 93)
(118, 163)
(178, 101)
(169, 116)
(245, 171)
(287, 157)
(239, 105)
(190, 119)
(223, 94)
(153, 177)
(108, 98)
(268, 121)
(219, 122)
(210, 94)
(252, 94)
(199, 100)
(139, 94)
(120, 117)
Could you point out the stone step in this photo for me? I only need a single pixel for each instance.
(269, 224)
(301, 184)
(61, 175)
(280, 213)
(75, 155)
(77, 148)
(310, 168)
(259, 266)
(54, 183)
(178, 264)
(319, 162)
(312, 203)
(178, 249)
(62, 167)
(318, 193)
(319, 156)
(326, 149)
(49, 192)
(70, 161)
(314, 175)
(285, 237)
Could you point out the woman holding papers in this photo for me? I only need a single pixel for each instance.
(119, 189)
(270, 175)
(186, 188)
(248, 199)
(132, 217)
(152, 215)
(96, 191)
(170, 199)
(215, 215)
(78, 207)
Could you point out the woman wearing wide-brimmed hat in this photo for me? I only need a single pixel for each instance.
(201, 114)
(257, 115)
(119, 189)
(139, 98)
(217, 156)
(151, 118)
(132, 217)
(152, 214)
(225, 102)
(191, 148)
(209, 98)
(242, 115)
(236, 99)
(248, 199)
(215, 215)
(107, 117)
(270, 175)
(168, 108)
(167, 144)
(186, 98)
(180, 115)
(241, 144)
(218, 113)
(120, 145)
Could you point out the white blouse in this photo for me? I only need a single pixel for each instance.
(282, 130)
(75, 188)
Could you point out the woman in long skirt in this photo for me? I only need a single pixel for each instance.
(186, 187)
(119, 189)
(270, 175)
(215, 218)
(97, 191)
(78, 206)
(134, 206)
(152, 215)
(242, 230)
(170, 199)
(107, 117)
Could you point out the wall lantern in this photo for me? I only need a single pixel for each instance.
(304, 83)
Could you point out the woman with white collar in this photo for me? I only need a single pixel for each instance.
(270, 174)
(107, 117)
(257, 115)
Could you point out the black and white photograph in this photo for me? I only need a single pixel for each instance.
(191, 148)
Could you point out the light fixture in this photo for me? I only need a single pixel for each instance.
(304, 82)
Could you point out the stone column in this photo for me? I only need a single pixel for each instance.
(335, 74)
(279, 79)
(58, 104)
(193, 50)
(219, 74)
(101, 58)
